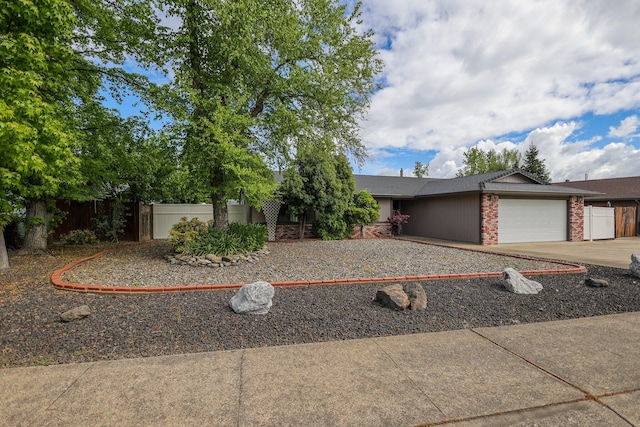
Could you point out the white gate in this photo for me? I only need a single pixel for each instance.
(165, 215)
(599, 223)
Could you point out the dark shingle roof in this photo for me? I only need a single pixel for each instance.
(398, 187)
(470, 184)
(613, 188)
(392, 186)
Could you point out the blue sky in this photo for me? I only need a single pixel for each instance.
(563, 74)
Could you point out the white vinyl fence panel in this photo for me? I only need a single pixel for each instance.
(165, 215)
(599, 223)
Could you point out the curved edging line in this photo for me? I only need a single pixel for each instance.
(60, 283)
(577, 268)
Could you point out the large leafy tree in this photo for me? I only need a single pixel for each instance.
(56, 56)
(477, 161)
(534, 165)
(36, 141)
(256, 79)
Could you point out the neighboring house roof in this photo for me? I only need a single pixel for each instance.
(612, 189)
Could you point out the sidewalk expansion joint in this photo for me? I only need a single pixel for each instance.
(587, 395)
(240, 388)
(409, 378)
(497, 414)
(546, 371)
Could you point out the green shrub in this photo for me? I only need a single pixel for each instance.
(330, 228)
(185, 231)
(79, 237)
(111, 220)
(239, 238)
(252, 236)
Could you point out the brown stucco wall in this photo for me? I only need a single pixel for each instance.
(454, 218)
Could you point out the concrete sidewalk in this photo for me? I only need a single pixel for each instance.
(578, 372)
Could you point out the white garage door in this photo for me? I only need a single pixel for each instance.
(529, 220)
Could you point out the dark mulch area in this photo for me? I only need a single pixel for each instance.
(124, 326)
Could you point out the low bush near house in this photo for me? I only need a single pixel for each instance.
(239, 238)
(396, 220)
(185, 231)
(331, 228)
(79, 237)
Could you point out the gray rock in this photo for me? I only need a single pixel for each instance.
(214, 258)
(417, 296)
(635, 265)
(75, 313)
(596, 283)
(393, 297)
(518, 284)
(254, 298)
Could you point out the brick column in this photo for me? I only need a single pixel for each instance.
(576, 219)
(489, 219)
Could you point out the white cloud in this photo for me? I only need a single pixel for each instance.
(626, 128)
(458, 72)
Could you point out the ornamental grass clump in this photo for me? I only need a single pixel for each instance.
(196, 240)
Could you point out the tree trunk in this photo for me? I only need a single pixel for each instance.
(302, 222)
(4, 256)
(37, 218)
(220, 214)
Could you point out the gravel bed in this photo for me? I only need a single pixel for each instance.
(124, 326)
(145, 266)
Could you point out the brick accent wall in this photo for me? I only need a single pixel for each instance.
(380, 230)
(576, 219)
(489, 224)
(292, 231)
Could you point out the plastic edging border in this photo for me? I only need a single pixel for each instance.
(60, 283)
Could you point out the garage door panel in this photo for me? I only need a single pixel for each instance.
(532, 220)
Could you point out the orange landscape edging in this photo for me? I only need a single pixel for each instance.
(58, 282)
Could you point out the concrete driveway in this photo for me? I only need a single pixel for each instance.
(611, 253)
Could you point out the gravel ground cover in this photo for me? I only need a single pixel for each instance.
(145, 266)
(123, 326)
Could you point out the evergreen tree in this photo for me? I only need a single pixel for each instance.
(534, 165)
(320, 182)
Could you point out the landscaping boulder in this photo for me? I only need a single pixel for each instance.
(213, 258)
(75, 313)
(417, 296)
(393, 297)
(518, 284)
(596, 283)
(634, 267)
(254, 298)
